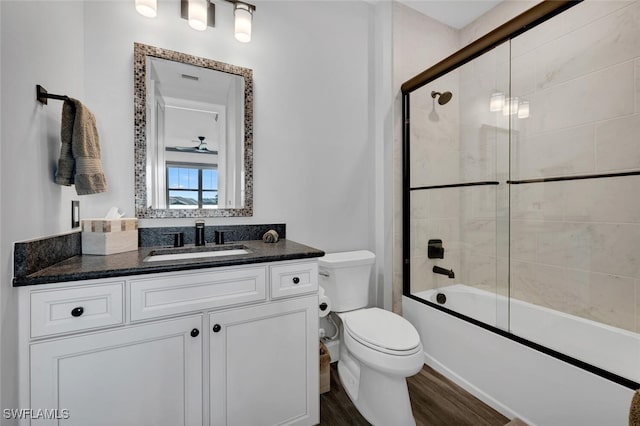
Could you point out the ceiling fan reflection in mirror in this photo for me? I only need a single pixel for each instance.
(200, 149)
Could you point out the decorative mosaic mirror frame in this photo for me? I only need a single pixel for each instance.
(142, 204)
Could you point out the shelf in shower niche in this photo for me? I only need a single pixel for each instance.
(576, 177)
(455, 185)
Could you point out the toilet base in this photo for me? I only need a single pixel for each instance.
(382, 399)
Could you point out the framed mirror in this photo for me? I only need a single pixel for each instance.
(193, 136)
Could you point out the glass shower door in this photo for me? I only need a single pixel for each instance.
(459, 165)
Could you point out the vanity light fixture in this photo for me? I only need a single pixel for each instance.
(243, 13)
(510, 106)
(148, 8)
(201, 14)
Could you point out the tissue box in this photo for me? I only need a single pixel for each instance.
(109, 236)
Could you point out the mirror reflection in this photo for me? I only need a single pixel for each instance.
(193, 122)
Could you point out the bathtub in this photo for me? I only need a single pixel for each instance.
(517, 380)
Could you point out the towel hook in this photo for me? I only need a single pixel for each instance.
(42, 95)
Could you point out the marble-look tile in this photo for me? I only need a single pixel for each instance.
(422, 278)
(611, 298)
(524, 240)
(523, 73)
(597, 96)
(477, 155)
(478, 271)
(557, 242)
(419, 204)
(589, 11)
(614, 248)
(549, 154)
(611, 200)
(538, 201)
(478, 202)
(445, 202)
(607, 41)
(502, 276)
(617, 146)
(433, 162)
(478, 237)
(547, 286)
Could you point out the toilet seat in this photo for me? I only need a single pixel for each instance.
(382, 331)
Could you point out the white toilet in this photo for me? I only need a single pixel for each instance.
(379, 349)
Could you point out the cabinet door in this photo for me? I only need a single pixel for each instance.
(264, 364)
(142, 375)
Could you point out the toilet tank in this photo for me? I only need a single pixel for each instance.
(345, 278)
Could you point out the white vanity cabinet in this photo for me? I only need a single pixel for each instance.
(149, 374)
(263, 364)
(217, 346)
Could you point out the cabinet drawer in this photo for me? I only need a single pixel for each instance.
(171, 295)
(65, 310)
(294, 278)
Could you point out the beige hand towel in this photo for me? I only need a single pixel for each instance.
(79, 135)
(66, 163)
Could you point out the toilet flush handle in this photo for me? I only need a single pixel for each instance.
(323, 273)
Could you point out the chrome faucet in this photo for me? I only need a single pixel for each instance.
(447, 272)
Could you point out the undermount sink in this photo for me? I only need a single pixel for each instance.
(195, 253)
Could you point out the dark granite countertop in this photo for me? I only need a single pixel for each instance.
(86, 267)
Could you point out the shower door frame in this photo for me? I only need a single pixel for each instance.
(516, 26)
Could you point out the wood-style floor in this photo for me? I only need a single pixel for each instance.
(435, 400)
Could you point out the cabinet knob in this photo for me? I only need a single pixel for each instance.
(216, 328)
(296, 280)
(195, 332)
(76, 312)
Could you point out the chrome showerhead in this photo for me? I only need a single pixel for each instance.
(443, 97)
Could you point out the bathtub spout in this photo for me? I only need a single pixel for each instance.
(447, 272)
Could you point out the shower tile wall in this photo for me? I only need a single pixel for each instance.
(575, 245)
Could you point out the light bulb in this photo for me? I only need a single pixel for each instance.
(497, 102)
(243, 17)
(148, 8)
(523, 109)
(510, 106)
(198, 14)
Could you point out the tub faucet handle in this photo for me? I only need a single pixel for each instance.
(435, 249)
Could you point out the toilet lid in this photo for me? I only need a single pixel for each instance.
(384, 329)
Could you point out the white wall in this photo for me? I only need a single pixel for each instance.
(315, 152)
(313, 157)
